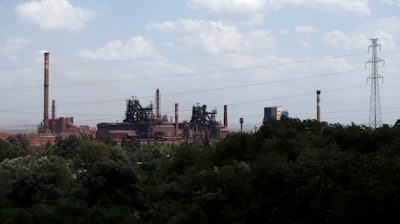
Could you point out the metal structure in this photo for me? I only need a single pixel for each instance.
(318, 105)
(225, 115)
(137, 114)
(203, 123)
(158, 104)
(52, 126)
(53, 115)
(176, 120)
(375, 117)
(142, 124)
(140, 117)
(46, 93)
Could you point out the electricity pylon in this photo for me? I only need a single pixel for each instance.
(375, 117)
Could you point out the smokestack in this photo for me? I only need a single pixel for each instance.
(53, 116)
(318, 105)
(46, 93)
(225, 115)
(158, 112)
(241, 124)
(53, 109)
(176, 120)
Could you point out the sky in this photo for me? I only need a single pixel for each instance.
(246, 54)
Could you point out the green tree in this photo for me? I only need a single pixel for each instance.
(9, 149)
(67, 148)
(32, 180)
(111, 181)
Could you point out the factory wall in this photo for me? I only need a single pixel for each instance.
(274, 112)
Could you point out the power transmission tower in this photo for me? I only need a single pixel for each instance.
(375, 117)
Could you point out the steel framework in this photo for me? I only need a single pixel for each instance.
(203, 122)
(375, 117)
(135, 113)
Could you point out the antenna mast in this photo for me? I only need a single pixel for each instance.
(375, 117)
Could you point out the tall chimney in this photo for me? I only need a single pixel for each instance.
(53, 109)
(225, 115)
(46, 93)
(176, 120)
(53, 116)
(158, 112)
(318, 105)
(241, 124)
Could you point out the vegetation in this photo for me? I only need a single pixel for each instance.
(290, 171)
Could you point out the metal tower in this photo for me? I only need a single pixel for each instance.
(375, 117)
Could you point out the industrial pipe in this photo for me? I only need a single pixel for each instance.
(318, 105)
(46, 93)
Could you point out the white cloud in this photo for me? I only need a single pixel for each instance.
(387, 41)
(339, 39)
(214, 36)
(386, 29)
(1, 9)
(305, 29)
(184, 25)
(359, 6)
(259, 39)
(166, 26)
(392, 2)
(54, 14)
(243, 12)
(228, 5)
(306, 45)
(134, 48)
(10, 44)
(254, 10)
(390, 24)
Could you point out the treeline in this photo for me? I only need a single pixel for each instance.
(290, 171)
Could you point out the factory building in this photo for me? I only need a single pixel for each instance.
(142, 124)
(54, 126)
(275, 113)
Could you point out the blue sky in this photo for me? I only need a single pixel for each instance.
(247, 54)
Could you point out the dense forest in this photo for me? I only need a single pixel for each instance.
(289, 171)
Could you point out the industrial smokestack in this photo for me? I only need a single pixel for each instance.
(225, 115)
(158, 112)
(318, 105)
(53, 116)
(176, 120)
(241, 124)
(46, 93)
(53, 109)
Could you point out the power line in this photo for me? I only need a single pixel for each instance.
(205, 90)
(262, 83)
(155, 77)
(168, 56)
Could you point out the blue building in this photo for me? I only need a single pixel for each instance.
(274, 112)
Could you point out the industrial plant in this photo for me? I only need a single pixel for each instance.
(140, 123)
(274, 112)
(56, 125)
(144, 124)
